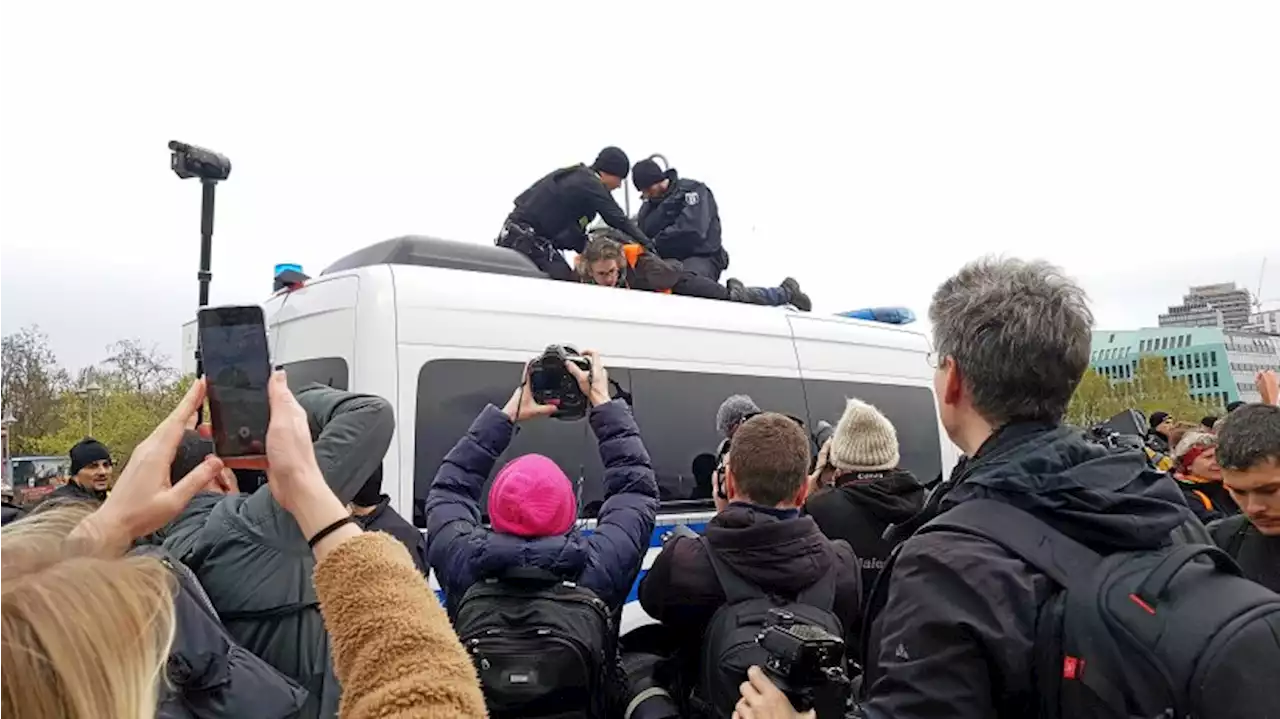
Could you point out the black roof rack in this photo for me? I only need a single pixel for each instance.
(420, 251)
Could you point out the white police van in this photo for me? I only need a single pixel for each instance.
(442, 328)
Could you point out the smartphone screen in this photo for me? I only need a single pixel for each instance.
(233, 348)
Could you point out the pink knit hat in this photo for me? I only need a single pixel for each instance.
(532, 497)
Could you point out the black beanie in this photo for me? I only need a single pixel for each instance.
(646, 173)
(613, 161)
(371, 493)
(192, 449)
(1158, 418)
(86, 452)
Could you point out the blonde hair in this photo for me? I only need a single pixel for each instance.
(82, 636)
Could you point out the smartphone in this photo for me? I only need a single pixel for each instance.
(233, 350)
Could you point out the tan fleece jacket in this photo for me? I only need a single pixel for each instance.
(394, 651)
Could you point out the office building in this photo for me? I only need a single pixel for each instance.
(1266, 322)
(1222, 305)
(1218, 365)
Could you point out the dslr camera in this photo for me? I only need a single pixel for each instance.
(551, 383)
(806, 662)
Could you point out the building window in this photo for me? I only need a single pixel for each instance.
(1112, 339)
(1215, 379)
(1181, 364)
(1196, 358)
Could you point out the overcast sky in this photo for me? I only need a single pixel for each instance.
(867, 150)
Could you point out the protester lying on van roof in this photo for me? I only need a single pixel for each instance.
(608, 262)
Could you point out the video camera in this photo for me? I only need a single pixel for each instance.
(551, 382)
(1124, 431)
(806, 662)
(189, 161)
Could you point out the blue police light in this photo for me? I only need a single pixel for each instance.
(887, 315)
(287, 275)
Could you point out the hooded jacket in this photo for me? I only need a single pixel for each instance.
(385, 519)
(207, 673)
(463, 552)
(685, 222)
(780, 555)
(956, 634)
(859, 509)
(253, 560)
(11, 512)
(561, 205)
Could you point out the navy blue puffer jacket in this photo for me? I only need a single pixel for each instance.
(462, 551)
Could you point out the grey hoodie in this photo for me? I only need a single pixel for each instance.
(253, 560)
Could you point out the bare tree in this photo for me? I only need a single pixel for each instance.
(139, 369)
(31, 385)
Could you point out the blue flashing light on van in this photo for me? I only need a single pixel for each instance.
(287, 275)
(887, 315)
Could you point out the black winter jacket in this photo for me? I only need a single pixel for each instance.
(385, 519)
(1257, 554)
(683, 223)
(208, 675)
(73, 492)
(956, 635)
(861, 507)
(560, 206)
(785, 556)
(11, 512)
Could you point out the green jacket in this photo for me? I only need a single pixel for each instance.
(253, 560)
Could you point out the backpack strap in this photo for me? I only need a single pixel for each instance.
(736, 589)
(529, 575)
(1022, 534)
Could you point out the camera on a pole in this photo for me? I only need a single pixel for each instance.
(188, 161)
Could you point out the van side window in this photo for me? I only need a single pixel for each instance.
(451, 392)
(676, 412)
(331, 371)
(910, 409)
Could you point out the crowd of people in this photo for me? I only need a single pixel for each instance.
(828, 582)
(672, 246)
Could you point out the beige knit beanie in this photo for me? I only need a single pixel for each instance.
(864, 440)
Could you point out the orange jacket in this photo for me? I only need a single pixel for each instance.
(632, 252)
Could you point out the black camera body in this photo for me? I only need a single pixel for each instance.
(806, 662)
(551, 383)
(189, 161)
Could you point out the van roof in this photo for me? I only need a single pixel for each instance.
(421, 251)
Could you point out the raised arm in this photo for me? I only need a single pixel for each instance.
(630, 507)
(454, 533)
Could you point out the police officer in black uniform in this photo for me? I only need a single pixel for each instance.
(682, 217)
(553, 214)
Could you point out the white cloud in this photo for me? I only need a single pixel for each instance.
(867, 150)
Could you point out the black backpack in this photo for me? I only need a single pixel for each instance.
(1138, 634)
(543, 647)
(729, 645)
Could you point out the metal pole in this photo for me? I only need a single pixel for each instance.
(205, 275)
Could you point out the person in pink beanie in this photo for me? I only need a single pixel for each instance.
(533, 505)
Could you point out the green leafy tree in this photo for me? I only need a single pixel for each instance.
(1151, 390)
